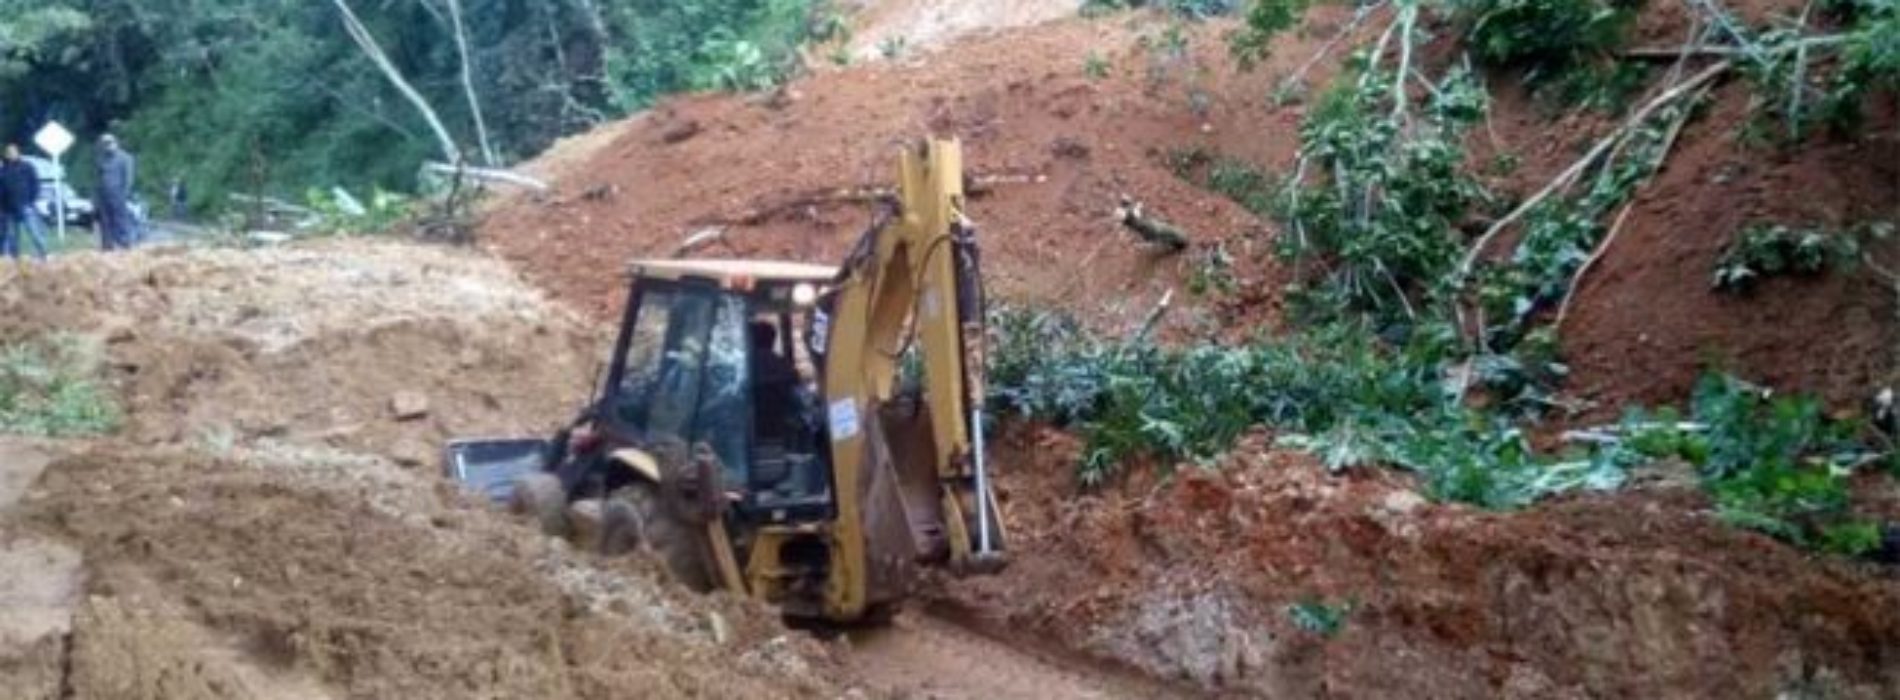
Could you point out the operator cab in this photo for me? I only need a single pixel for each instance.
(715, 352)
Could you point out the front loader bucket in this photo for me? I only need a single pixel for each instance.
(489, 467)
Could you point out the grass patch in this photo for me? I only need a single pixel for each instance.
(50, 388)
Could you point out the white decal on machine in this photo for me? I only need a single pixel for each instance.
(844, 420)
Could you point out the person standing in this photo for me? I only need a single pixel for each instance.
(19, 191)
(118, 228)
(180, 198)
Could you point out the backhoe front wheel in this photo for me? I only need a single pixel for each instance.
(541, 497)
(634, 517)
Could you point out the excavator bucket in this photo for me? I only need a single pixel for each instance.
(490, 466)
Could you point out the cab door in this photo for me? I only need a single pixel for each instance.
(680, 375)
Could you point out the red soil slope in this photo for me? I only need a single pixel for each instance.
(1062, 146)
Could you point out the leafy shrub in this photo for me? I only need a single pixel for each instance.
(1766, 250)
(704, 45)
(1772, 464)
(1380, 220)
(1240, 181)
(1545, 36)
(50, 388)
(1797, 87)
(1335, 391)
(1265, 20)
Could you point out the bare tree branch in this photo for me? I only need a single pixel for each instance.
(360, 34)
(468, 84)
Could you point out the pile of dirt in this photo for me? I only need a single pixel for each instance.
(264, 525)
(1052, 149)
(317, 344)
(1639, 594)
(1063, 145)
(264, 574)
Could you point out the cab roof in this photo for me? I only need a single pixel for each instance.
(761, 271)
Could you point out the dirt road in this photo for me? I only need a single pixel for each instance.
(925, 655)
(39, 585)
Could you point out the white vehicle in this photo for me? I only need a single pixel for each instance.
(79, 211)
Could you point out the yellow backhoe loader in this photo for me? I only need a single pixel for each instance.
(753, 431)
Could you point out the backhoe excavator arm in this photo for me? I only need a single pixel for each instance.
(914, 280)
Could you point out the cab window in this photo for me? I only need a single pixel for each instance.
(684, 374)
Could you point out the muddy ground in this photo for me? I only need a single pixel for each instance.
(1643, 593)
(267, 525)
(269, 522)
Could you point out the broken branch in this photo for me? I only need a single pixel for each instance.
(1576, 169)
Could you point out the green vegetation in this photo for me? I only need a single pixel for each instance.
(1265, 20)
(1376, 201)
(1190, 9)
(50, 388)
(1786, 63)
(1545, 37)
(273, 97)
(1415, 351)
(1766, 250)
(1336, 391)
(1318, 617)
(1773, 464)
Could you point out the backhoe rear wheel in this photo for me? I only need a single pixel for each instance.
(635, 517)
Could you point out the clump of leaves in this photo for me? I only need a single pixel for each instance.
(1375, 205)
(50, 387)
(1265, 20)
(1547, 37)
(1774, 464)
(1766, 250)
(1319, 617)
(1095, 66)
(338, 212)
(1243, 183)
(1799, 86)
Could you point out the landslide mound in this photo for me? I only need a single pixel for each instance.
(778, 173)
(262, 527)
(1050, 148)
(313, 344)
(1638, 594)
(265, 574)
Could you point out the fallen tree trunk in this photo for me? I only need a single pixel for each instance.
(487, 175)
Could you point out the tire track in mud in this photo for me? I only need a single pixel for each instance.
(929, 654)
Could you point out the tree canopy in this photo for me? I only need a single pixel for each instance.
(274, 96)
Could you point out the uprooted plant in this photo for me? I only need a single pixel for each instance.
(1766, 250)
(1771, 463)
(1376, 200)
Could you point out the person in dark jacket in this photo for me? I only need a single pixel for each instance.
(118, 228)
(19, 190)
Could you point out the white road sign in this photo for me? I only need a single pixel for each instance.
(54, 139)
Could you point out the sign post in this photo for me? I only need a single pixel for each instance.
(54, 139)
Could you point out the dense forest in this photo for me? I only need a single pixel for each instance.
(280, 96)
